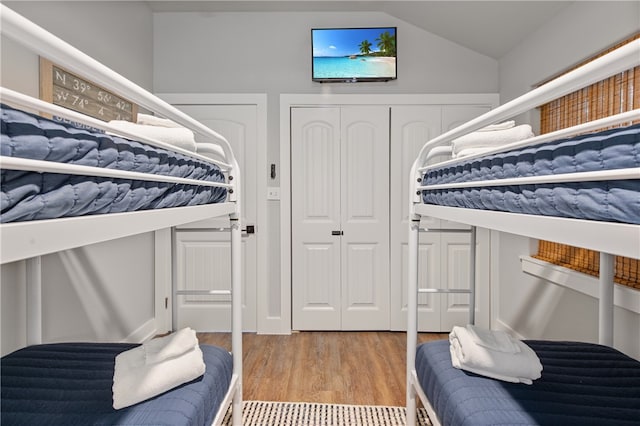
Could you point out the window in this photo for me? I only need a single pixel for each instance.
(616, 94)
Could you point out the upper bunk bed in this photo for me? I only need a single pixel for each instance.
(615, 235)
(29, 238)
(578, 186)
(69, 180)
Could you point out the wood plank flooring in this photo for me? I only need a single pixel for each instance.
(364, 368)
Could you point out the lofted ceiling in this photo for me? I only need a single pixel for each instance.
(491, 28)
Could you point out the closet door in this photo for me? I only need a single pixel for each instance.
(340, 218)
(365, 218)
(315, 218)
(455, 249)
(443, 257)
(411, 127)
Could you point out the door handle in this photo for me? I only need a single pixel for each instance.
(248, 230)
(337, 233)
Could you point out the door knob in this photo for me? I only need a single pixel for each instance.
(337, 233)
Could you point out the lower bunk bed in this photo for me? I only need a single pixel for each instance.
(71, 384)
(581, 384)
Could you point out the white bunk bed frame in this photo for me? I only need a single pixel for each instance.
(609, 238)
(30, 240)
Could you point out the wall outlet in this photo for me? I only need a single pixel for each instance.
(273, 193)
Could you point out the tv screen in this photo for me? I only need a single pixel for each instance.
(354, 54)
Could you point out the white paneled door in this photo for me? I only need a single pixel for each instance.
(202, 251)
(340, 218)
(443, 257)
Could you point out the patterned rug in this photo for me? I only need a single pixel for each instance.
(261, 413)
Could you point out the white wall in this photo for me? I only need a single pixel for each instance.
(271, 53)
(118, 34)
(529, 306)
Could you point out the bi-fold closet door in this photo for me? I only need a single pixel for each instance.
(340, 217)
(443, 256)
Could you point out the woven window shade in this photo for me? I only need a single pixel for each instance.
(616, 94)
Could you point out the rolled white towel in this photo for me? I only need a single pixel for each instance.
(152, 120)
(170, 346)
(521, 367)
(134, 381)
(492, 138)
(176, 136)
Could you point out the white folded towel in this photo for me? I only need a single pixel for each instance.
(499, 126)
(472, 151)
(134, 381)
(210, 150)
(494, 138)
(170, 346)
(496, 340)
(176, 136)
(152, 120)
(520, 367)
(439, 150)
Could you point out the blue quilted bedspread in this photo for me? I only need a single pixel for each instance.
(70, 384)
(582, 384)
(611, 201)
(33, 196)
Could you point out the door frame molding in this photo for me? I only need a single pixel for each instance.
(288, 101)
(163, 243)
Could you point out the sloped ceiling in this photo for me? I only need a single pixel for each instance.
(491, 28)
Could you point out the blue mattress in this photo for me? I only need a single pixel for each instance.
(581, 384)
(70, 384)
(33, 196)
(611, 201)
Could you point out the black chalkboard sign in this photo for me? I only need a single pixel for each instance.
(68, 90)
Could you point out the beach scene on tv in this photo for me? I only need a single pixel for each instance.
(354, 53)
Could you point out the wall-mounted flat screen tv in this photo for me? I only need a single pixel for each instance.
(354, 54)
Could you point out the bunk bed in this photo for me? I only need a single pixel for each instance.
(581, 383)
(69, 180)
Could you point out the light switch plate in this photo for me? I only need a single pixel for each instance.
(273, 193)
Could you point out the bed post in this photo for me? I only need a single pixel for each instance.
(236, 322)
(34, 300)
(472, 276)
(605, 316)
(412, 318)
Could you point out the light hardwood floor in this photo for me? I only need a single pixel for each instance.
(364, 368)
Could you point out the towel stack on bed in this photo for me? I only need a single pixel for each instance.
(490, 137)
(493, 354)
(156, 367)
(159, 129)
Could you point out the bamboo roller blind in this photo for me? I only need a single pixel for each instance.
(616, 94)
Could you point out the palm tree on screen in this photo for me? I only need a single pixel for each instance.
(365, 47)
(387, 43)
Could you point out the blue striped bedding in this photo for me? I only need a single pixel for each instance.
(582, 384)
(611, 201)
(69, 384)
(33, 196)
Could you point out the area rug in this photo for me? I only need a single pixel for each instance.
(263, 413)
